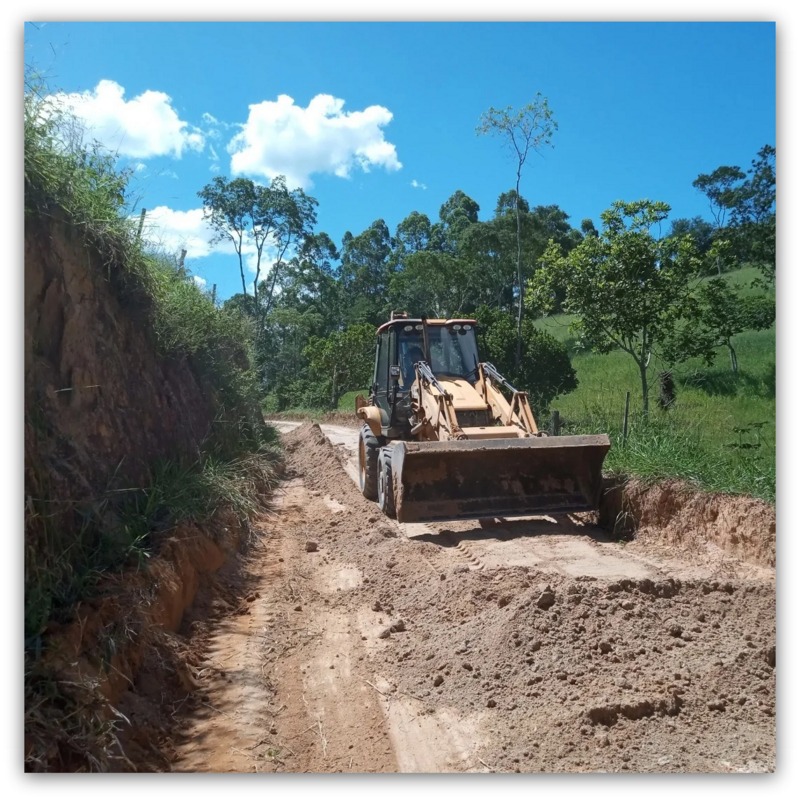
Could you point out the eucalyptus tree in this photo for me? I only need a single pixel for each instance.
(262, 223)
(310, 282)
(754, 211)
(523, 131)
(365, 272)
(456, 215)
(719, 187)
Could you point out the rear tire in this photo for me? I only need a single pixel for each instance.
(386, 483)
(368, 452)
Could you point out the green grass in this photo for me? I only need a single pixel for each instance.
(347, 402)
(743, 279)
(346, 405)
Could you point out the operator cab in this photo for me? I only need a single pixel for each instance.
(448, 346)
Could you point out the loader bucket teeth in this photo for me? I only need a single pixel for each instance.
(497, 477)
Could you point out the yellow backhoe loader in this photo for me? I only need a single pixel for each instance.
(441, 441)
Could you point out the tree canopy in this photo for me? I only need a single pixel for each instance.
(627, 288)
(636, 284)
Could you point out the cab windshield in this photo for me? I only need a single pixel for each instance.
(454, 353)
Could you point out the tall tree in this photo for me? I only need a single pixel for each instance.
(754, 201)
(456, 215)
(434, 284)
(627, 289)
(719, 187)
(365, 273)
(487, 248)
(523, 131)
(412, 235)
(754, 211)
(310, 282)
(263, 223)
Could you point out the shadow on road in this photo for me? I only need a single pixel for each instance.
(503, 530)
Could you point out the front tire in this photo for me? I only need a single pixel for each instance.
(368, 452)
(386, 483)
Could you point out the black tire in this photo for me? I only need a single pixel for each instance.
(385, 483)
(368, 449)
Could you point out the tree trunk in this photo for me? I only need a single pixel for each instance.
(734, 359)
(521, 304)
(645, 398)
(241, 273)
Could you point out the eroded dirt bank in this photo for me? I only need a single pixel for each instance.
(348, 643)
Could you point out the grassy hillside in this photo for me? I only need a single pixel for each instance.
(721, 432)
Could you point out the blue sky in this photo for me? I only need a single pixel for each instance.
(376, 120)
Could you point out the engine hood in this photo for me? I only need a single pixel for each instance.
(465, 397)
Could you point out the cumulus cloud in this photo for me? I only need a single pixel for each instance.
(174, 231)
(181, 230)
(281, 138)
(417, 185)
(144, 126)
(201, 283)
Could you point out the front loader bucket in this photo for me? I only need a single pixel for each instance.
(468, 479)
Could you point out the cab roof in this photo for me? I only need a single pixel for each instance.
(432, 322)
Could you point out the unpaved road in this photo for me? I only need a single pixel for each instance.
(360, 645)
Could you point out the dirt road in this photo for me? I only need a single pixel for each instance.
(350, 643)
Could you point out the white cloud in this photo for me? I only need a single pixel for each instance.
(174, 231)
(280, 138)
(201, 283)
(181, 230)
(417, 185)
(143, 127)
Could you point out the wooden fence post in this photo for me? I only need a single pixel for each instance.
(625, 418)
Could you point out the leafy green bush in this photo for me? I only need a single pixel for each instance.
(545, 371)
(340, 363)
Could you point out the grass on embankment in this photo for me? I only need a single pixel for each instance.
(72, 541)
